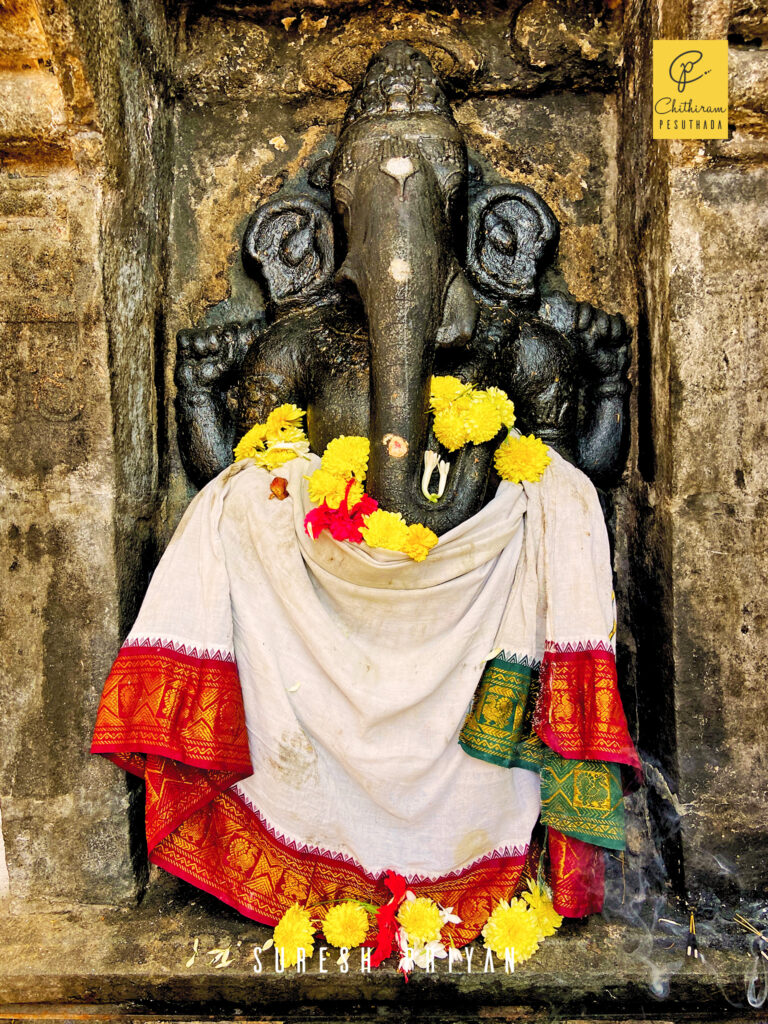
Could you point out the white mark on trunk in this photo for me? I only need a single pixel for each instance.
(399, 270)
(5, 881)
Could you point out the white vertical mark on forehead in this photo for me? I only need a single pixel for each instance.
(399, 167)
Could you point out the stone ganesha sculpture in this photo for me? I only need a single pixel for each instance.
(389, 263)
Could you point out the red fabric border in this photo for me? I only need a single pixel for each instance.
(159, 701)
(579, 713)
(227, 850)
(577, 875)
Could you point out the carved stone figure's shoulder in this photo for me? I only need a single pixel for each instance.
(545, 384)
(301, 336)
(541, 351)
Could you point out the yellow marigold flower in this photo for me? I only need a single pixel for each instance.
(444, 390)
(483, 419)
(385, 530)
(512, 926)
(295, 931)
(420, 542)
(282, 419)
(346, 924)
(451, 428)
(325, 486)
(251, 442)
(504, 405)
(465, 402)
(347, 456)
(286, 434)
(540, 903)
(421, 920)
(521, 458)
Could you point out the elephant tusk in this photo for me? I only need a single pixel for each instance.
(431, 462)
(443, 469)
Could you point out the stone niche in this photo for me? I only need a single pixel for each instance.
(137, 139)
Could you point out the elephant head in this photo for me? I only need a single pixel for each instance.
(391, 209)
(398, 179)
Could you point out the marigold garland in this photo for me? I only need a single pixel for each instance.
(463, 414)
(325, 486)
(348, 513)
(521, 924)
(483, 419)
(277, 441)
(444, 391)
(419, 542)
(282, 421)
(512, 926)
(539, 901)
(413, 927)
(451, 428)
(504, 406)
(347, 456)
(295, 931)
(385, 530)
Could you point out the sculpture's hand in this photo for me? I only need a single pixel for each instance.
(207, 362)
(210, 356)
(603, 342)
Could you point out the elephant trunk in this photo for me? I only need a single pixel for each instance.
(400, 258)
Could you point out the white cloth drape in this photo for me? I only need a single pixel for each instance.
(357, 665)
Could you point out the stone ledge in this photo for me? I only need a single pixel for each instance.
(132, 961)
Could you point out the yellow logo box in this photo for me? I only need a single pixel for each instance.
(690, 89)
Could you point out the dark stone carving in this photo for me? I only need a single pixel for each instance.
(396, 261)
(290, 242)
(512, 232)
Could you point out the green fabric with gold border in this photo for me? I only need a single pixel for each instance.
(495, 724)
(579, 798)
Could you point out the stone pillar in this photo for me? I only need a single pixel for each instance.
(694, 214)
(81, 207)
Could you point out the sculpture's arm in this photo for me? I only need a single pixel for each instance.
(601, 345)
(542, 385)
(273, 373)
(206, 364)
(604, 427)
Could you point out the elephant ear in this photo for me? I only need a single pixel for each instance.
(512, 234)
(288, 244)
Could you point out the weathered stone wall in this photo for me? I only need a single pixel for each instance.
(137, 139)
(83, 181)
(693, 216)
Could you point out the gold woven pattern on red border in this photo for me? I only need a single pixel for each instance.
(577, 875)
(178, 722)
(159, 701)
(579, 713)
(227, 850)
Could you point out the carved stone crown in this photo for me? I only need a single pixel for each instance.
(398, 80)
